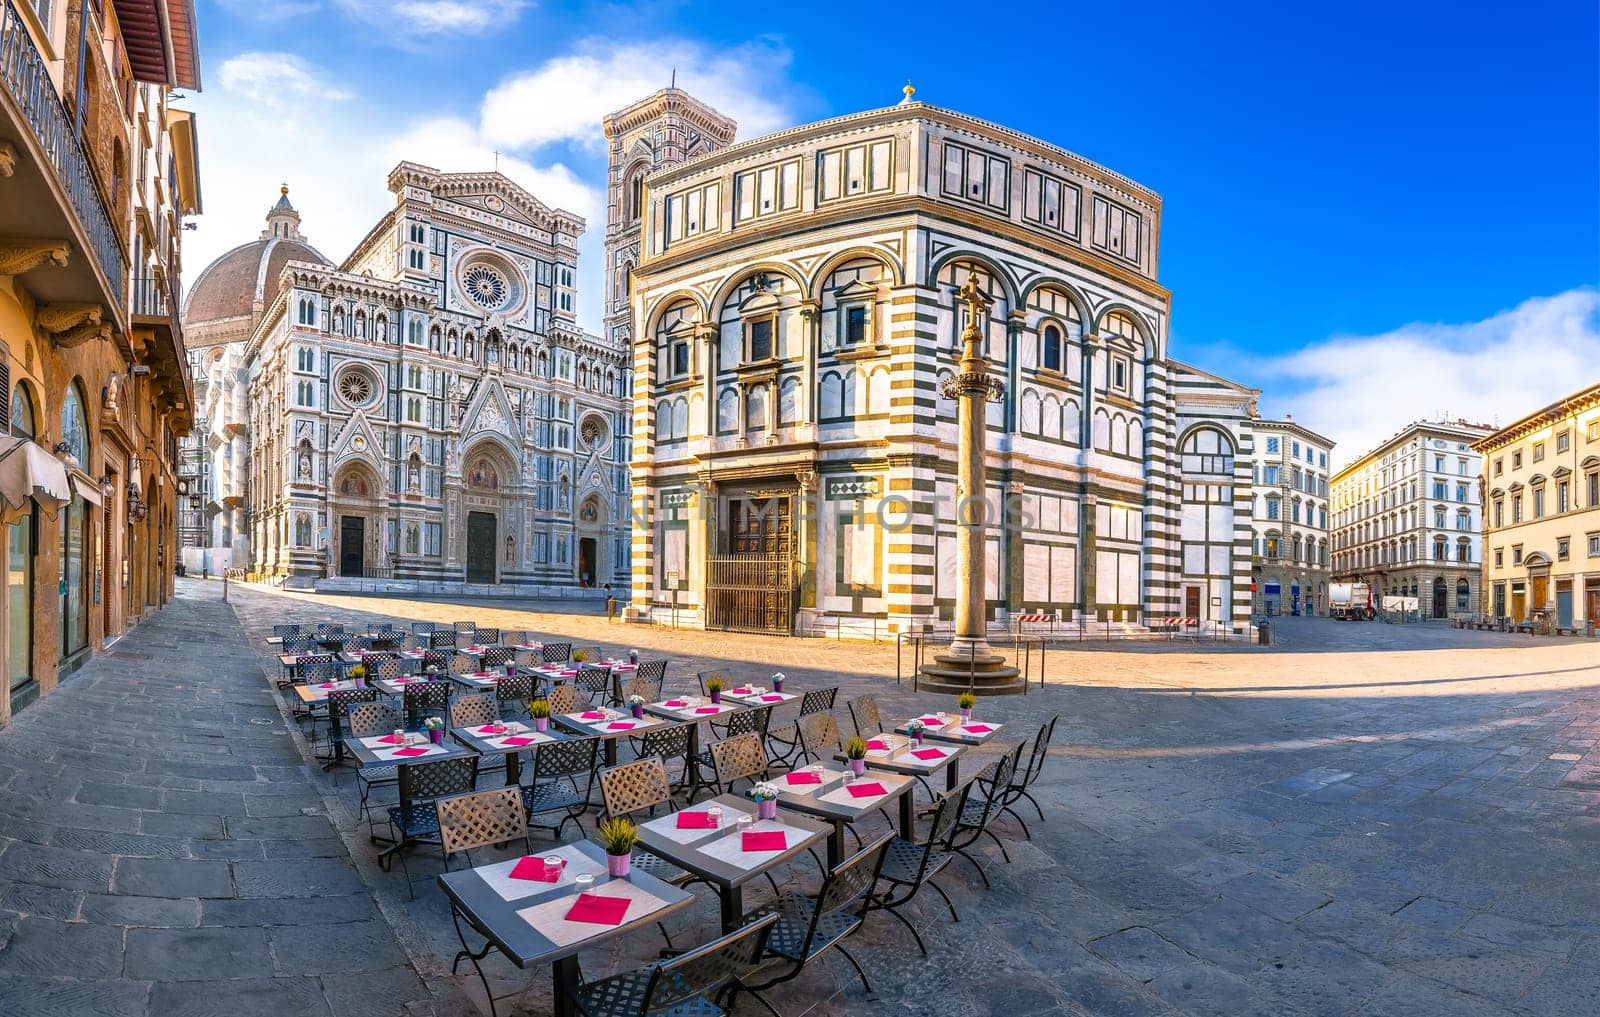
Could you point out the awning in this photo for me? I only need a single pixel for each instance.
(88, 489)
(29, 475)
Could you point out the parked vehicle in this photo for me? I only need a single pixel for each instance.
(1350, 601)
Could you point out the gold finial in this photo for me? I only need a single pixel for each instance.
(909, 91)
(284, 190)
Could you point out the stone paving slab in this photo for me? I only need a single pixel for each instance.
(136, 811)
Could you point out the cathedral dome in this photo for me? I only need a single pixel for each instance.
(228, 299)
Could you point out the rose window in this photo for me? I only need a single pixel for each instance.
(356, 388)
(487, 287)
(592, 431)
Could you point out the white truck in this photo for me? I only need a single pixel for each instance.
(1350, 601)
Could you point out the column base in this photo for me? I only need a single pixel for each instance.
(970, 666)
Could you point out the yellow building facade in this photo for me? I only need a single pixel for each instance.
(1541, 483)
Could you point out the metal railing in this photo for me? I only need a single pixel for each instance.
(25, 76)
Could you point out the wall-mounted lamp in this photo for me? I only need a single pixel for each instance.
(107, 488)
(63, 452)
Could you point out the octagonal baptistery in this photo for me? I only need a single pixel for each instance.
(794, 312)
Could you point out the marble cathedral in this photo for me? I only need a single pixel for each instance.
(427, 414)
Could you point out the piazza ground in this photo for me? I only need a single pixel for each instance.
(1362, 819)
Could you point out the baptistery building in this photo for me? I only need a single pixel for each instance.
(792, 312)
(427, 415)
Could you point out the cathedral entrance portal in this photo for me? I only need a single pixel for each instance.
(481, 530)
(585, 561)
(352, 545)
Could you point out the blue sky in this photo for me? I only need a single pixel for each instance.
(1417, 183)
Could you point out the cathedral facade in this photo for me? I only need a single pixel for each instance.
(428, 414)
(792, 312)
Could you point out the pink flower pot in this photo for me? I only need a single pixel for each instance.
(858, 766)
(619, 865)
(540, 723)
(767, 810)
(966, 715)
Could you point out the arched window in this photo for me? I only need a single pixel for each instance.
(635, 195)
(22, 423)
(1050, 353)
(74, 429)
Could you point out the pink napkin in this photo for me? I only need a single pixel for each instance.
(764, 840)
(406, 681)
(931, 722)
(518, 741)
(598, 910)
(328, 685)
(535, 868)
(802, 777)
(696, 821)
(621, 725)
(492, 729)
(592, 715)
(977, 728)
(675, 703)
(872, 790)
(627, 667)
(411, 752)
(708, 709)
(773, 698)
(929, 753)
(741, 692)
(877, 745)
(392, 740)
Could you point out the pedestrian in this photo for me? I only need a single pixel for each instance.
(611, 605)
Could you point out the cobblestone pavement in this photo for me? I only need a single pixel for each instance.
(163, 852)
(1363, 819)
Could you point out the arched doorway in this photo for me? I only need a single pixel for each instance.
(488, 474)
(356, 524)
(592, 546)
(1440, 598)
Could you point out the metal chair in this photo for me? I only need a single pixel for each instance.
(910, 865)
(387, 670)
(464, 626)
(414, 819)
(688, 984)
(865, 716)
(425, 699)
(745, 722)
(810, 926)
(738, 758)
(442, 639)
(527, 658)
(369, 720)
(497, 657)
(1022, 779)
(479, 819)
(439, 659)
(653, 670)
(668, 743)
(558, 767)
(327, 630)
(485, 637)
(513, 694)
(422, 627)
(460, 663)
(594, 682)
(819, 737)
(783, 743)
(285, 631)
(982, 807)
(474, 711)
(564, 699)
(645, 688)
(556, 653)
(641, 786)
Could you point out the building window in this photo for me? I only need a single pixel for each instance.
(1273, 508)
(1499, 557)
(1119, 373)
(855, 324)
(1516, 554)
(307, 311)
(413, 410)
(1563, 548)
(1516, 460)
(304, 394)
(1499, 465)
(1461, 492)
(1439, 490)
(1538, 451)
(1538, 503)
(1499, 513)
(1594, 545)
(306, 360)
(1592, 481)
(414, 332)
(680, 359)
(1273, 445)
(1561, 496)
(1563, 441)
(758, 340)
(1463, 551)
(1050, 353)
(1516, 509)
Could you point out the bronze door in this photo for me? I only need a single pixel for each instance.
(750, 583)
(1191, 602)
(481, 530)
(352, 545)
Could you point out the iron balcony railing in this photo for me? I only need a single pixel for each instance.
(25, 76)
(153, 297)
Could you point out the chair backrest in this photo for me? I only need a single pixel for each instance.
(706, 970)
(1025, 777)
(818, 700)
(486, 637)
(420, 782)
(846, 888)
(460, 663)
(519, 688)
(422, 626)
(320, 672)
(556, 653)
(564, 699)
(480, 818)
(442, 638)
(527, 658)
(705, 676)
(633, 787)
(749, 722)
(298, 644)
(864, 714)
(340, 700)
(946, 814)
(368, 720)
(424, 698)
(381, 628)
(737, 758)
(497, 656)
(819, 735)
(464, 626)
(564, 759)
(388, 670)
(285, 631)
(474, 711)
(438, 658)
(327, 630)
(594, 680)
(650, 690)
(511, 637)
(991, 785)
(670, 742)
(654, 670)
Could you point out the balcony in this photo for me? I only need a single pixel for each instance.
(54, 227)
(158, 334)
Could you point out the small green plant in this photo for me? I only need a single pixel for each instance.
(358, 672)
(619, 835)
(539, 708)
(715, 684)
(579, 656)
(855, 748)
(966, 700)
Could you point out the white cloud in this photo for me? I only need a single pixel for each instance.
(276, 79)
(1359, 390)
(454, 146)
(566, 98)
(437, 17)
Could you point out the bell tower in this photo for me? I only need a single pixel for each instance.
(659, 130)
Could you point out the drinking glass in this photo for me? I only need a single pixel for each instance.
(583, 882)
(715, 812)
(744, 823)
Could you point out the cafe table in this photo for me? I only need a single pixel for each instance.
(397, 686)
(318, 692)
(527, 920)
(721, 855)
(510, 739)
(379, 751)
(759, 696)
(608, 726)
(823, 793)
(899, 754)
(481, 681)
(949, 727)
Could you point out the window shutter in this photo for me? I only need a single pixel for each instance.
(5, 391)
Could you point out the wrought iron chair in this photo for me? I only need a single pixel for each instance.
(783, 743)
(380, 628)
(474, 711)
(668, 743)
(369, 720)
(425, 699)
(594, 682)
(702, 982)
(910, 865)
(564, 699)
(513, 694)
(416, 641)
(819, 737)
(497, 657)
(556, 653)
(985, 799)
(485, 637)
(810, 926)
(285, 631)
(865, 716)
(415, 820)
(653, 670)
(422, 627)
(387, 670)
(527, 658)
(738, 758)
(442, 639)
(745, 722)
(327, 630)
(439, 659)
(339, 703)
(558, 770)
(479, 819)
(636, 787)
(1024, 776)
(460, 663)
(646, 688)
(463, 626)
